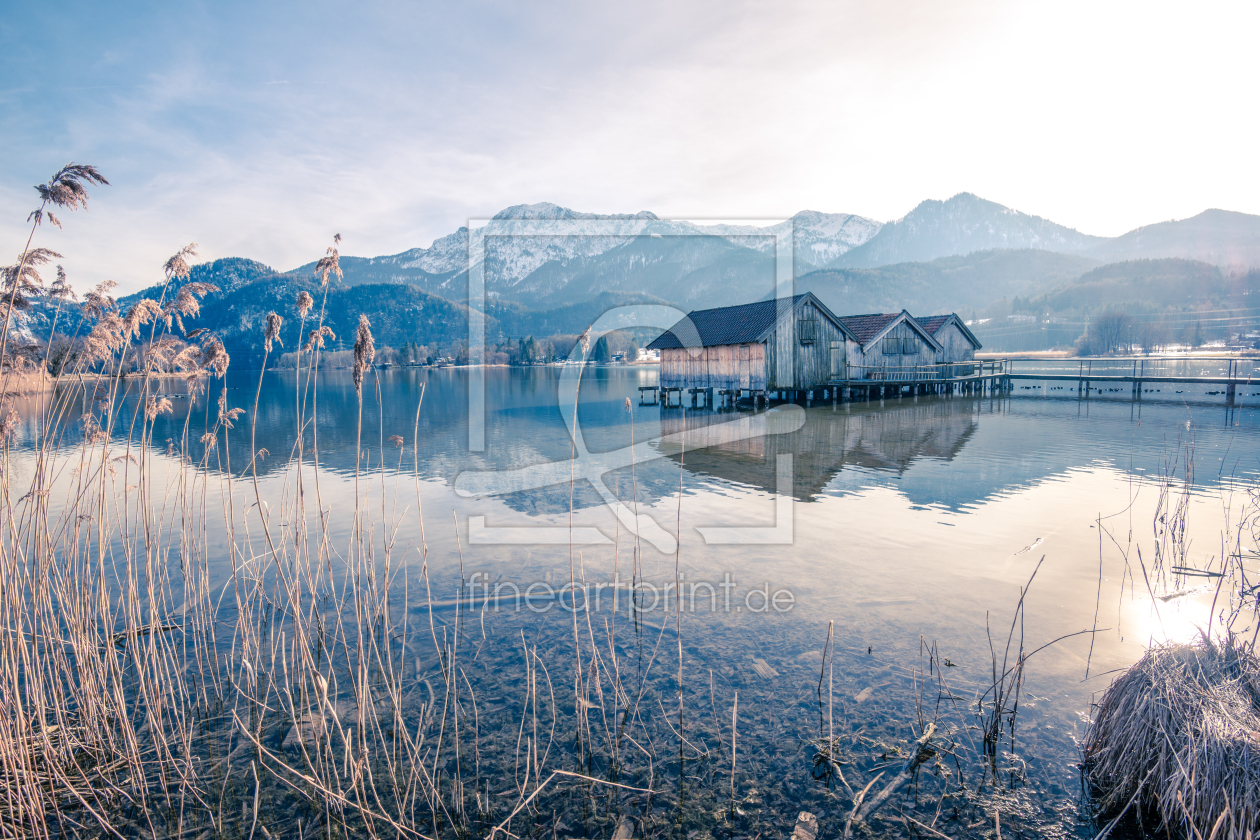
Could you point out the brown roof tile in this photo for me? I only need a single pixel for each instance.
(866, 327)
(933, 323)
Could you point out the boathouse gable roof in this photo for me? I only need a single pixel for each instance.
(935, 323)
(870, 328)
(866, 327)
(747, 323)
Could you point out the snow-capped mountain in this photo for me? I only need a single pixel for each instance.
(818, 238)
(561, 235)
(962, 225)
(545, 255)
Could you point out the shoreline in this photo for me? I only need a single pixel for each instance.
(26, 384)
(1068, 355)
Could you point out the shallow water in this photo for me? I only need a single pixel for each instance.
(910, 526)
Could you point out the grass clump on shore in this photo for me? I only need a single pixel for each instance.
(1176, 738)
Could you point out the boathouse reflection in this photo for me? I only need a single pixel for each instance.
(888, 439)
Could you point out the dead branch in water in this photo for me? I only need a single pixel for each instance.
(863, 808)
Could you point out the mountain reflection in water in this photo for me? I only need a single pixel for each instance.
(948, 452)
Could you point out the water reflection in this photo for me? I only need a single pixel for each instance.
(887, 439)
(951, 452)
(914, 519)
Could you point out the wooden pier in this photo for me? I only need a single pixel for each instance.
(1237, 372)
(974, 378)
(984, 378)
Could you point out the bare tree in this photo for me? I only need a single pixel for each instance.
(1112, 330)
(1153, 336)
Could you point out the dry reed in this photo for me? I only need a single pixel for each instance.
(146, 693)
(1175, 739)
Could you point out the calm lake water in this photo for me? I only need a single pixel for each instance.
(904, 525)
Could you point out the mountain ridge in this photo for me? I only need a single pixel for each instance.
(1219, 237)
(961, 225)
(575, 254)
(582, 260)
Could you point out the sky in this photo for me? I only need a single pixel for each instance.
(261, 129)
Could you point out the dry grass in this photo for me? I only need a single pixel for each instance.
(142, 695)
(1177, 738)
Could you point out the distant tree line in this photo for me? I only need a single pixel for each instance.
(1149, 305)
(521, 351)
(1115, 331)
(528, 350)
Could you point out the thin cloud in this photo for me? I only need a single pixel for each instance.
(397, 125)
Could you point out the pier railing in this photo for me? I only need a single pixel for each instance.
(1205, 368)
(926, 373)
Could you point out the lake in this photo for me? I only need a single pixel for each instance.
(850, 573)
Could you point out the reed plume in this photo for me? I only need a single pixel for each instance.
(92, 431)
(105, 338)
(364, 352)
(216, 357)
(304, 303)
(272, 332)
(157, 405)
(330, 264)
(142, 313)
(21, 280)
(228, 416)
(316, 339)
(67, 189)
(9, 426)
(60, 288)
(163, 353)
(177, 266)
(98, 301)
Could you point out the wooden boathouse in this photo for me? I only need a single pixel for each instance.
(785, 345)
(900, 354)
(958, 343)
(798, 349)
(886, 342)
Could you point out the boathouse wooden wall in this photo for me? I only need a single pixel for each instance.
(957, 347)
(723, 367)
(783, 362)
(793, 365)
